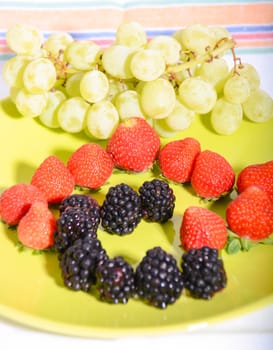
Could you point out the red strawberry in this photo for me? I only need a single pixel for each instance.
(16, 200)
(212, 175)
(257, 174)
(250, 215)
(176, 159)
(134, 145)
(90, 165)
(36, 229)
(202, 227)
(54, 179)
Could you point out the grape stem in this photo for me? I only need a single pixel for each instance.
(220, 48)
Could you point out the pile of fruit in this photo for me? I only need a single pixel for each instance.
(157, 279)
(167, 80)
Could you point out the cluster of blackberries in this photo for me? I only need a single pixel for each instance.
(123, 208)
(157, 278)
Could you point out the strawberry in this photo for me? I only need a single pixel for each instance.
(257, 174)
(250, 214)
(16, 200)
(212, 175)
(36, 229)
(54, 179)
(202, 227)
(176, 159)
(90, 165)
(134, 145)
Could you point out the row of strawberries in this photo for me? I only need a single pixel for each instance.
(134, 147)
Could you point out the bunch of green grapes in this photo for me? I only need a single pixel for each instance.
(78, 86)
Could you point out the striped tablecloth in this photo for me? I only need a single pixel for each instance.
(250, 22)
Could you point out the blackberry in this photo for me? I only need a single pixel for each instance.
(80, 201)
(75, 223)
(157, 200)
(79, 262)
(203, 272)
(121, 210)
(115, 280)
(158, 278)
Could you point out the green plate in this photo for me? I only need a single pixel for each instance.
(32, 291)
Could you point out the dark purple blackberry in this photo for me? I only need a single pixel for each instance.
(79, 262)
(121, 210)
(79, 201)
(157, 200)
(75, 223)
(115, 280)
(158, 278)
(203, 272)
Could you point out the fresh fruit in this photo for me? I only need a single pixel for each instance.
(226, 117)
(260, 174)
(187, 67)
(16, 200)
(212, 175)
(37, 227)
(157, 98)
(202, 227)
(176, 159)
(75, 223)
(90, 165)
(197, 95)
(115, 280)
(157, 200)
(101, 120)
(79, 262)
(54, 179)
(250, 215)
(134, 145)
(258, 107)
(203, 272)
(121, 210)
(82, 201)
(158, 279)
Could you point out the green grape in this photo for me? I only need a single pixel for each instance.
(249, 72)
(71, 114)
(157, 98)
(162, 129)
(226, 117)
(197, 95)
(30, 105)
(39, 76)
(24, 40)
(219, 33)
(214, 72)
(147, 64)
(197, 38)
(258, 107)
(83, 54)
(57, 42)
(131, 34)
(116, 61)
(13, 70)
(236, 89)
(115, 87)
(13, 91)
(168, 46)
(180, 118)
(102, 119)
(72, 85)
(94, 86)
(128, 104)
(49, 117)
